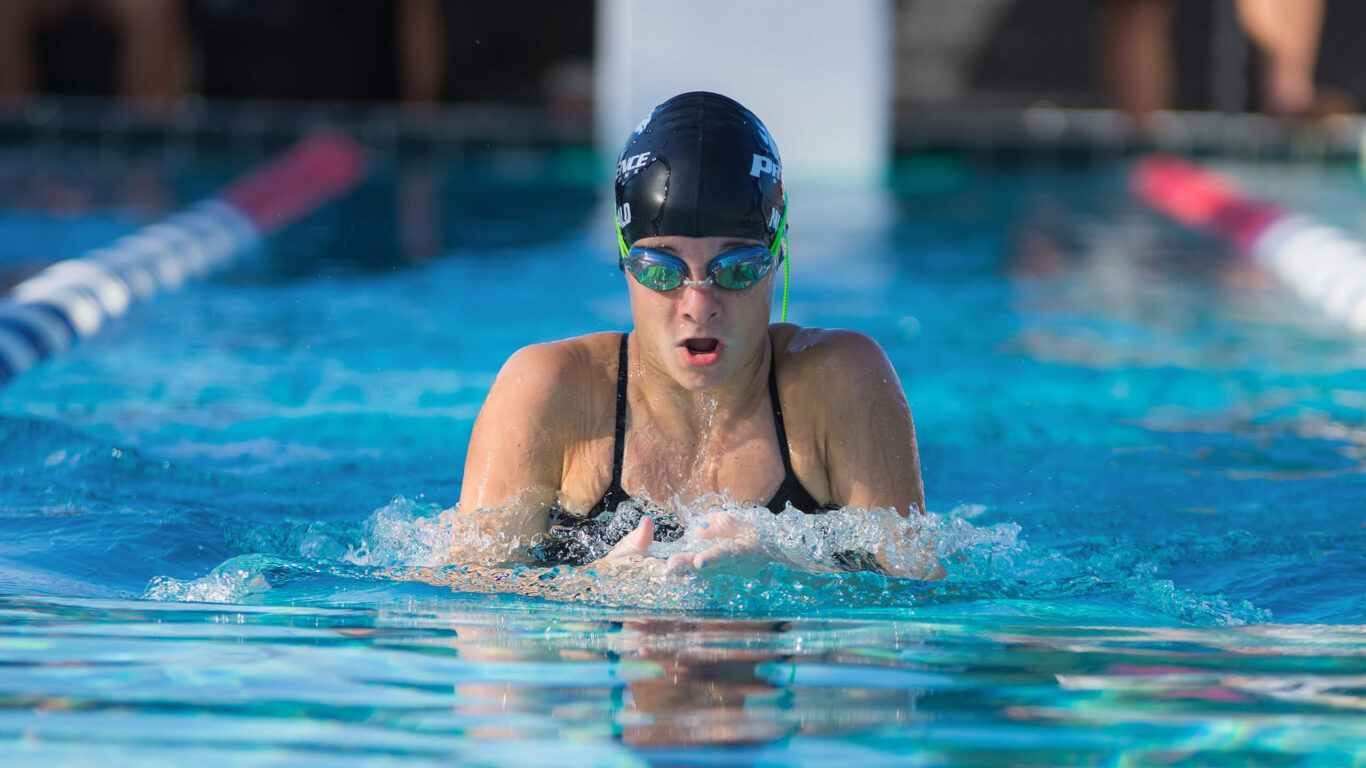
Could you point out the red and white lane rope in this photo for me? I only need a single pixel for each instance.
(72, 299)
(1324, 264)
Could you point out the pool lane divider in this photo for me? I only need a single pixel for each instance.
(72, 299)
(1323, 264)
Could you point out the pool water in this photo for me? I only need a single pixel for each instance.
(1144, 464)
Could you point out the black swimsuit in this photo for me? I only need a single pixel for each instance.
(576, 540)
(790, 492)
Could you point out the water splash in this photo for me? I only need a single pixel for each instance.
(791, 564)
(232, 582)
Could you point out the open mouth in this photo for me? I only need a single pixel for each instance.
(700, 351)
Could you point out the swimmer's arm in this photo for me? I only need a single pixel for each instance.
(870, 449)
(514, 464)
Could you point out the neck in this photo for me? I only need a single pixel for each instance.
(700, 412)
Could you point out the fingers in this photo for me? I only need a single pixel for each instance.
(680, 562)
(729, 538)
(684, 562)
(719, 525)
(712, 554)
(639, 539)
(637, 542)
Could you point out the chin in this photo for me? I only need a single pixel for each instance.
(695, 383)
(700, 381)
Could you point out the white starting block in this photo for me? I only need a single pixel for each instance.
(818, 74)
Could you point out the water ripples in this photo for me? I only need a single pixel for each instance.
(987, 565)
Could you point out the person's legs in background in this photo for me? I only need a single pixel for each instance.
(154, 50)
(1287, 34)
(1136, 55)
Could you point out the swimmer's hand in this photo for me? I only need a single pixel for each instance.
(633, 549)
(734, 540)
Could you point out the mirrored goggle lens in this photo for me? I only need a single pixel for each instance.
(656, 270)
(741, 268)
(733, 270)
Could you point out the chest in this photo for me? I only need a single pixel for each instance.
(742, 463)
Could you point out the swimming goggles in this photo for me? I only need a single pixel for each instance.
(733, 270)
(746, 266)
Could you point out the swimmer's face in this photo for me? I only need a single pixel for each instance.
(701, 335)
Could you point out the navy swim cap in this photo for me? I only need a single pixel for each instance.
(700, 165)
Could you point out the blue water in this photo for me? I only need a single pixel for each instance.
(1144, 465)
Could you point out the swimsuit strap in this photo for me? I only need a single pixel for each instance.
(619, 442)
(778, 411)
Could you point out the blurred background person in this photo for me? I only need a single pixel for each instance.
(1137, 56)
(340, 50)
(56, 46)
(1286, 33)
(160, 50)
(1138, 62)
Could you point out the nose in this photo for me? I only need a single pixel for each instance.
(700, 303)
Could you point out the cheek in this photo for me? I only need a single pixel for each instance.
(761, 302)
(649, 309)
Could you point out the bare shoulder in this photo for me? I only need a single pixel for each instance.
(553, 363)
(545, 400)
(831, 360)
(555, 380)
(845, 389)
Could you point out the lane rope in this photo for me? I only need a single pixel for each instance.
(1325, 265)
(72, 299)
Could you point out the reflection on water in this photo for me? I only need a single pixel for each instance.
(437, 679)
(688, 682)
(1117, 431)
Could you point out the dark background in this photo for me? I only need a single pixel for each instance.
(539, 52)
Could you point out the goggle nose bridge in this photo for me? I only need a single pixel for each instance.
(711, 280)
(778, 249)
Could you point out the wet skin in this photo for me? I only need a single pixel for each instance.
(699, 417)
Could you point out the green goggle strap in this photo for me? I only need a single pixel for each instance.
(778, 249)
(621, 240)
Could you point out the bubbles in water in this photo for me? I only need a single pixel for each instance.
(770, 562)
(405, 532)
(232, 582)
(784, 563)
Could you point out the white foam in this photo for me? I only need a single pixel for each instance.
(232, 582)
(788, 564)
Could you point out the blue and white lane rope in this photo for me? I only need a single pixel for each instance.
(72, 299)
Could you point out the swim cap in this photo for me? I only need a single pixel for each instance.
(700, 165)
